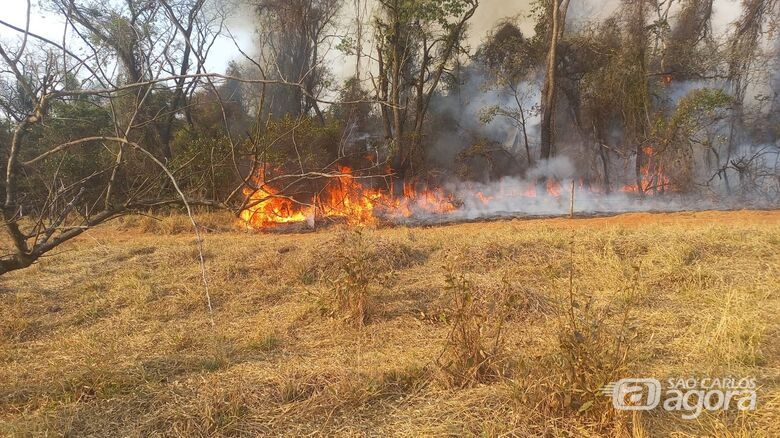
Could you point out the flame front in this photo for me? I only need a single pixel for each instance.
(265, 206)
(343, 197)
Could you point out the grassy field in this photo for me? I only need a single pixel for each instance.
(502, 328)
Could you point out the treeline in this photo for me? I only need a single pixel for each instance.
(125, 114)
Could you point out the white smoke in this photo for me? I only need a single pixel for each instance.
(528, 197)
(557, 168)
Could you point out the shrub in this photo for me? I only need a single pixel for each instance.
(474, 351)
(356, 279)
(595, 341)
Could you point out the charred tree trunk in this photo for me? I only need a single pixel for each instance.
(640, 113)
(420, 109)
(383, 94)
(525, 141)
(605, 165)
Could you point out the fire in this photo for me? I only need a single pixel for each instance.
(344, 196)
(553, 187)
(349, 198)
(265, 207)
(652, 174)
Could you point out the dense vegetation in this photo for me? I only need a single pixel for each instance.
(126, 116)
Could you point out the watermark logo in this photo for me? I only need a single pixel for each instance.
(688, 396)
(634, 394)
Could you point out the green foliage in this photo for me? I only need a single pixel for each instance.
(203, 163)
(358, 113)
(438, 11)
(347, 45)
(692, 124)
(696, 111)
(417, 20)
(67, 121)
(295, 144)
(487, 114)
(508, 55)
(703, 103)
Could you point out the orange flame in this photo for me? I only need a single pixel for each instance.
(652, 175)
(265, 207)
(553, 188)
(343, 197)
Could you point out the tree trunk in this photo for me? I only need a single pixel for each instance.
(558, 22)
(399, 159)
(384, 94)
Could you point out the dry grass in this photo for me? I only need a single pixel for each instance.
(111, 337)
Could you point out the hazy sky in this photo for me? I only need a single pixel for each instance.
(488, 13)
(52, 25)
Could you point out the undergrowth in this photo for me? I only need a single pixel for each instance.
(356, 281)
(475, 350)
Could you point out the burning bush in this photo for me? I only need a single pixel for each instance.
(343, 195)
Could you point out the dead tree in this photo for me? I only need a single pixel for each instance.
(42, 207)
(744, 46)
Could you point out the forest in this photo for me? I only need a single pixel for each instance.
(124, 113)
(647, 100)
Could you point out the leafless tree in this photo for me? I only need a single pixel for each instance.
(743, 51)
(294, 38)
(42, 208)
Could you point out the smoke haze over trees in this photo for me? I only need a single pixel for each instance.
(124, 112)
